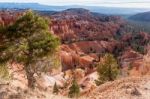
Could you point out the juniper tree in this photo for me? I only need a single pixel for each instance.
(107, 70)
(74, 90)
(28, 40)
(55, 89)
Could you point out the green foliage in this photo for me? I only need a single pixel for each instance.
(28, 40)
(4, 74)
(74, 90)
(108, 70)
(4, 55)
(130, 66)
(138, 43)
(55, 89)
(30, 36)
(138, 48)
(27, 25)
(56, 63)
(1, 28)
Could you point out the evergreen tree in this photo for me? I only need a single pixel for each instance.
(74, 90)
(108, 70)
(28, 40)
(55, 89)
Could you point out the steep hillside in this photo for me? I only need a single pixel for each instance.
(136, 86)
(128, 88)
(141, 17)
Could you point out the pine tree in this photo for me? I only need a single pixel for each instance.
(108, 70)
(74, 90)
(28, 40)
(55, 89)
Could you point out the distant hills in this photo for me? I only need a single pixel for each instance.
(104, 10)
(145, 17)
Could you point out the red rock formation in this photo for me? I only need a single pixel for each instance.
(77, 27)
(83, 33)
(9, 16)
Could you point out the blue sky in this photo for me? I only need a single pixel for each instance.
(108, 3)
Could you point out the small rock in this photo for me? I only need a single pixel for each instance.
(15, 96)
(135, 92)
(3, 95)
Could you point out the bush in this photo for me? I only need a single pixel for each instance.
(55, 89)
(4, 74)
(138, 48)
(74, 90)
(108, 70)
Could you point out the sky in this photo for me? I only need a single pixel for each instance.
(107, 3)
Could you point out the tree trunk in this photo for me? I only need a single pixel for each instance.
(110, 73)
(30, 75)
(29, 69)
(31, 79)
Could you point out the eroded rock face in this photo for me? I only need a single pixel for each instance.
(74, 25)
(83, 54)
(9, 16)
(84, 33)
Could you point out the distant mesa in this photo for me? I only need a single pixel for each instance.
(77, 10)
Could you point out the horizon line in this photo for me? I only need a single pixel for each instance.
(86, 4)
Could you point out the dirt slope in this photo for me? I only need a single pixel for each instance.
(128, 88)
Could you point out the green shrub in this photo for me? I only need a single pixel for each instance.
(4, 73)
(74, 90)
(55, 89)
(108, 70)
(130, 66)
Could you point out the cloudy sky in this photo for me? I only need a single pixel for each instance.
(108, 3)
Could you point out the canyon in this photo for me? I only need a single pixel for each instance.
(85, 36)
